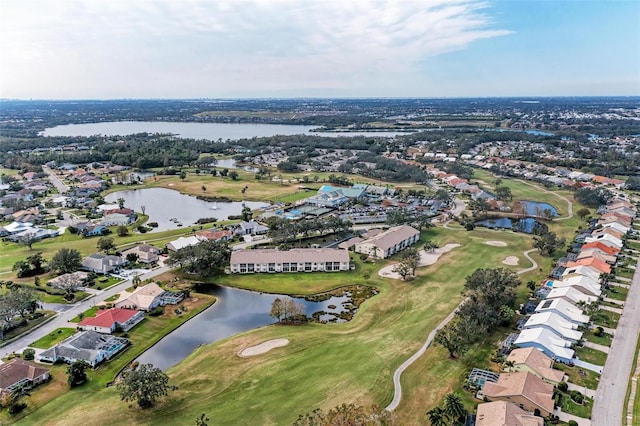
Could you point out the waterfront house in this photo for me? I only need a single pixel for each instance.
(143, 298)
(294, 260)
(109, 320)
(88, 346)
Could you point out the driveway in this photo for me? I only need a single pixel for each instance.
(608, 405)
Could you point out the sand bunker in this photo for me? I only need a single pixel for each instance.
(263, 347)
(511, 260)
(496, 243)
(426, 259)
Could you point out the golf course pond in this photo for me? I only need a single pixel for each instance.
(237, 311)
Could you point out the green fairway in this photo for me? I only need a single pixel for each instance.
(324, 365)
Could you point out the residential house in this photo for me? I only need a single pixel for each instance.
(566, 310)
(251, 228)
(18, 373)
(143, 298)
(542, 339)
(146, 253)
(504, 413)
(102, 263)
(89, 229)
(619, 228)
(593, 262)
(581, 282)
(183, 242)
(88, 346)
(524, 389)
(535, 362)
(294, 260)
(607, 239)
(214, 235)
(114, 218)
(612, 251)
(74, 278)
(556, 324)
(583, 270)
(571, 295)
(389, 242)
(598, 254)
(109, 320)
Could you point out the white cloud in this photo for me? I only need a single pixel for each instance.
(146, 48)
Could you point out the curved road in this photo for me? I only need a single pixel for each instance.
(397, 386)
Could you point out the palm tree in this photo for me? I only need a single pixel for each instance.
(437, 417)
(430, 246)
(508, 365)
(453, 407)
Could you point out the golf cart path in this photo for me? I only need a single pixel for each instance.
(397, 386)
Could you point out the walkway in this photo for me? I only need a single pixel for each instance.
(610, 309)
(608, 405)
(62, 318)
(397, 386)
(566, 417)
(583, 390)
(597, 347)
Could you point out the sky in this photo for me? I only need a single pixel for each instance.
(107, 49)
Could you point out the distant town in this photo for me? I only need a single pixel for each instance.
(317, 261)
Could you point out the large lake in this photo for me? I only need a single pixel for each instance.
(162, 205)
(234, 312)
(210, 131)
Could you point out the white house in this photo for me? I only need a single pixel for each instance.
(183, 242)
(389, 242)
(570, 294)
(566, 310)
(554, 323)
(102, 263)
(143, 298)
(546, 341)
(294, 260)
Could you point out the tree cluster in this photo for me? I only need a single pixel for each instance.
(144, 384)
(592, 197)
(415, 218)
(452, 413)
(347, 414)
(32, 265)
(282, 230)
(66, 260)
(202, 259)
(287, 310)
(15, 304)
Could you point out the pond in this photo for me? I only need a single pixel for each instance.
(209, 131)
(535, 208)
(170, 208)
(234, 312)
(519, 225)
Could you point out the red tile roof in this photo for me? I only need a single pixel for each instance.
(593, 262)
(602, 247)
(107, 317)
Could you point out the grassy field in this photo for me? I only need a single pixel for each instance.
(324, 365)
(53, 338)
(605, 339)
(91, 312)
(581, 410)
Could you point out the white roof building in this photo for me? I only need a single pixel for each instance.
(582, 270)
(182, 242)
(554, 323)
(565, 309)
(607, 239)
(570, 294)
(549, 343)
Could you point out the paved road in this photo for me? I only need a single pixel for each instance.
(609, 403)
(63, 318)
(55, 180)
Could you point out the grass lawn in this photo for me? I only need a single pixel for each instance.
(618, 293)
(579, 376)
(104, 283)
(324, 365)
(30, 325)
(604, 339)
(581, 410)
(56, 336)
(605, 318)
(636, 401)
(91, 312)
(591, 355)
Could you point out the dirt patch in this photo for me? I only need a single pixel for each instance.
(511, 260)
(263, 347)
(427, 258)
(496, 243)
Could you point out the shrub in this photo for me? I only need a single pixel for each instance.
(599, 331)
(576, 397)
(156, 312)
(563, 386)
(572, 423)
(29, 354)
